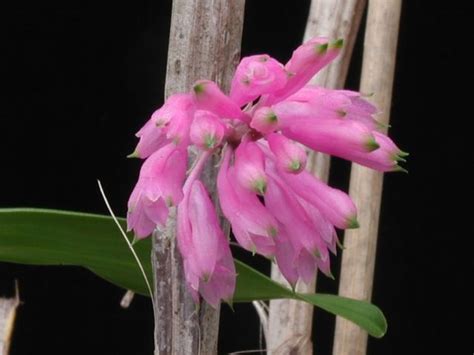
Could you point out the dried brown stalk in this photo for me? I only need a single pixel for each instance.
(204, 43)
(358, 259)
(291, 321)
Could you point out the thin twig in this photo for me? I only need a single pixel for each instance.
(137, 259)
(263, 316)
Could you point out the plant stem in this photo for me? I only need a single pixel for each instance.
(290, 327)
(204, 43)
(358, 258)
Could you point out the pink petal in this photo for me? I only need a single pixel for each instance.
(335, 205)
(256, 75)
(290, 156)
(250, 167)
(207, 130)
(305, 62)
(209, 97)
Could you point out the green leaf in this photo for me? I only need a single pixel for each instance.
(362, 313)
(49, 237)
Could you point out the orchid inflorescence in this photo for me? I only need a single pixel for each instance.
(275, 207)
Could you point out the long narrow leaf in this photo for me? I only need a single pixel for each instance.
(50, 237)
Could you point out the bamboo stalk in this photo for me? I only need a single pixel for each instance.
(358, 259)
(291, 321)
(205, 39)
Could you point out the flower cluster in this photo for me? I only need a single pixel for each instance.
(275, 207)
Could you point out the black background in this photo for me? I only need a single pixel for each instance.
(80, 77)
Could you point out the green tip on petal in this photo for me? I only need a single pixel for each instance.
(371, 144)
(198, 89)
(272, 231)
(206, 278)
(338, 43)
(133, 155)
(317, 254)
(399, 158)
(210, 141)
(295, 166)
(272, 118)
(254, 250)
(352, 223)
(330, 275)
(401, 153)
(322, 48)
(398, 168)
(260, 187)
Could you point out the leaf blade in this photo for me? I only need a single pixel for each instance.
(52, 237)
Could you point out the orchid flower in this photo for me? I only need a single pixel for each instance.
(275, 207)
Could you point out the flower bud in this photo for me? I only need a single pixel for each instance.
(207, 130)
(256, 75)
(250, 167)
(290, 156)
(264, 120)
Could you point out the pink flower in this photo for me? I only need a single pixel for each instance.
(158, 186)
(290, 156)
(336, 104)
(209, 97)
(209, 266)
(257, 75)
(170, 122)
(250, 167)
(264, 120)
(275, 207)
(305, 62)
(386, 158)
(342, 138)
(253, 225)
(207, 130)
(335, 205)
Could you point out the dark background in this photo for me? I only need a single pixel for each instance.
(81, 77)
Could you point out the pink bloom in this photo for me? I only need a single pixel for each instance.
(345, 139)
(305, 62)
(209, 266)
(290, 156)
(275, 207)
(336, 104)
(252, 224)
(264, 120)
(151, 137)
(250, 167)
(257, 75)
(170, 122)
(283, 204)
(335, 205)
(209, 97)
(207, 130)
(386, 158)
(158, 186)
